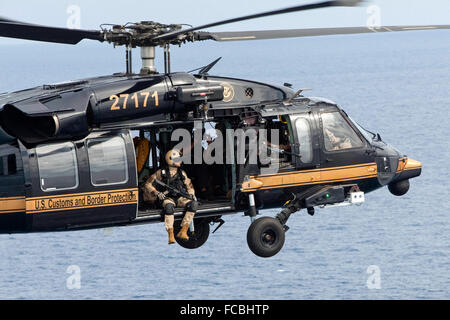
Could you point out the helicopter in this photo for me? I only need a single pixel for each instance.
(75, 155)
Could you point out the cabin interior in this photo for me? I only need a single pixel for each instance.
(60, 167)
(216, 179)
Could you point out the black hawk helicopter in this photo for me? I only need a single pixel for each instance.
(68, 160)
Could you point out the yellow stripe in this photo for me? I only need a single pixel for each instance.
(320, 169)
(82, 201)
(12, 204)
(299, 178)
(412, 168)
(81, 194)
(410, 164)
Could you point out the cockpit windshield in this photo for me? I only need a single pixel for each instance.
(366, 133)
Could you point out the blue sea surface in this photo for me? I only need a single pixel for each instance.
(394, 84)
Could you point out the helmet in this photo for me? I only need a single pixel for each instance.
(173, 158)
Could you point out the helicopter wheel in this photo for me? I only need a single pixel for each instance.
(197, 238)
(265, 237)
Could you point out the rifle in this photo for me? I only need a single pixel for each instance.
(278, 150)
(175, 190)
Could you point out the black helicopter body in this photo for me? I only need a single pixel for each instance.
(111, 100)
(91, 114)
(68, 159)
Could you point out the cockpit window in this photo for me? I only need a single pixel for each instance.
(338, 134)
(366, 133)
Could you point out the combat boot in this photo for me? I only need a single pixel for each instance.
(171, 236)
(183, 232)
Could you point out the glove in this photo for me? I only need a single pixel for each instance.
(161, 196)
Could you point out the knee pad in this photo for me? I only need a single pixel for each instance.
(169, 209)
(192, 206)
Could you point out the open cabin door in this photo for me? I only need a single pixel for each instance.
(85, 183)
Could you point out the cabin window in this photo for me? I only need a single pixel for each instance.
(12, 164)
(107, 161)
(8, 165)
(304, 139)
(58, 169)
(338, 134)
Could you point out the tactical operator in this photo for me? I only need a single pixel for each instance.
(173, 192)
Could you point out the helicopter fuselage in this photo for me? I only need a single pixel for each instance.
(68, 160)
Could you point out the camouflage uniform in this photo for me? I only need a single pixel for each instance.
(177, 178)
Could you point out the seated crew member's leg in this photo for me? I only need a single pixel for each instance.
(191, 208)
(168, 210)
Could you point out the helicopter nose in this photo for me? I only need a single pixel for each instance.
(407, 169)
(406, 164)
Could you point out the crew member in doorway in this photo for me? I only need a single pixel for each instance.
(176, 190)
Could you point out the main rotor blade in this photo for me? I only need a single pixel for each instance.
(304, 7)
(294, 33)
(26, 31)
(3, 19)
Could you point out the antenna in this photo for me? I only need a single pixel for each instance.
(205, 69)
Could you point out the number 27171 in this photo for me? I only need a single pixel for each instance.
(132, 100)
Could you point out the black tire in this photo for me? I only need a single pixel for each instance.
(198, 238)
(265, 237)
(399, 188)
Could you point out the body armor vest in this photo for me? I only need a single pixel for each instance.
(177, 181)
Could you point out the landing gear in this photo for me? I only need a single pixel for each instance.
(265, 237)
(196, 238)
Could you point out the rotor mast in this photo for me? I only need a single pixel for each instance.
(148, 60)
(144, 35)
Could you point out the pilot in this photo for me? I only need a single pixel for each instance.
(176, 178)
(337, 143)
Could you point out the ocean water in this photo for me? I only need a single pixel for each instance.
(394, 84)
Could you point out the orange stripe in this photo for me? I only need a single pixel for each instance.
(80, 194)
(299, 178)
(82, 201)
(13, 204)
(410, 165)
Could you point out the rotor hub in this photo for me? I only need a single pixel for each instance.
(142, 34)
